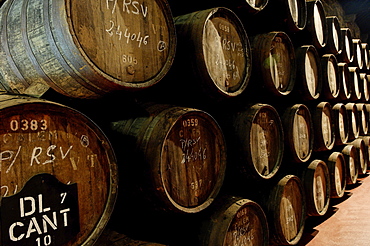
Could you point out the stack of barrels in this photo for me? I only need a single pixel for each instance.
(242, 118)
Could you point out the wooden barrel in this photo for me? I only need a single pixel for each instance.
(365, 56)
(85, 56)
(367, 144)
(365, 86)
(289, 16)
(316, 25)
(274, 62)
(286, 211)
(324, 134)
(316, 183)
(362, 154)
(298, 130)
(346, 45)
(344, 82)
(215, 50)
(330, 77)
(350, 156)
(257, 145)
(176, 157)
(334, 36)
(364, 118)
(59, 174)
(237, 221)
(355, 83)
(353, 121)
(244, 7)
(357, 54)
(337, 174)
(309, 74)
(341, 123)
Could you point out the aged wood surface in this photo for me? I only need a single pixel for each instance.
(298, 129)
(39, 137)
(316, 181)
(274, 62)
(183, 157)
(116, 46)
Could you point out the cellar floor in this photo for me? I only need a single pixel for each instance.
(347, 222)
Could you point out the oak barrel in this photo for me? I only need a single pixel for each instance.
(127, 46)
(274, 62)
(214, 49)
(367, 144)
(346, 45)
(330, 77)
(289, 16)
(337, 171)
(309, 74)
(59, 174)
(237, 221)
(362, 154)
(334, 36)
(341, 123)
(175, 157)
(357, 60)
(243, 7)
(299, 134)
(286, 211)
(365, 86)
(324, 134)
(316, 26)
(364, 118)
(344, 82)
(365, 56)
(316, 183)
(355, 84)
(350, 156)
(257, 145)
(353, 120)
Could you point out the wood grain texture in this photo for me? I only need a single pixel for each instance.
(274, 62)
(299, 134)
(341, 123)
(316, 181)
(236, 221)
(38, 137)
(337, 174)
(85, 49)
(286, 211)
(184, 157)
(309, 74)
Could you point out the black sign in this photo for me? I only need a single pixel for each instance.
(44, 212)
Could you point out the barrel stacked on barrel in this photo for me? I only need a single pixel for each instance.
(225, 122)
